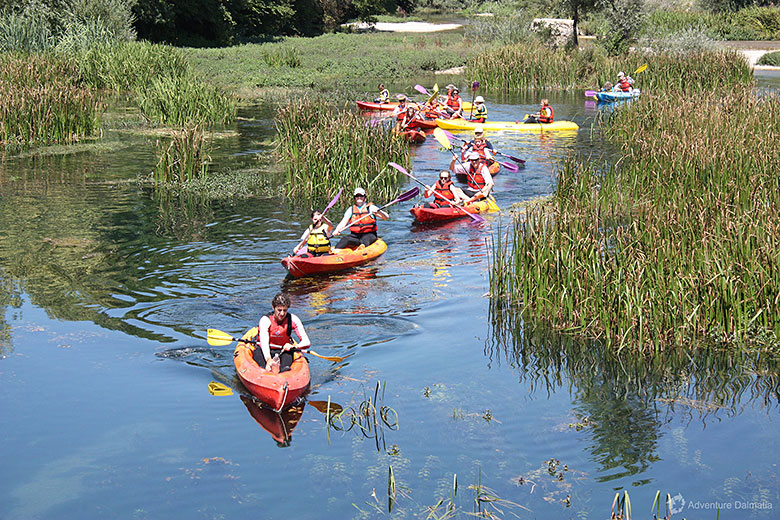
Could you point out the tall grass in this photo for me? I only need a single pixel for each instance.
(534, 66)
(324, 148)
(179, 100)
(679, 242)
(129, 66)
(184, 158)
(42, 102)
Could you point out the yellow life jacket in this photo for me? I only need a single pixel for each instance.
(318, 239)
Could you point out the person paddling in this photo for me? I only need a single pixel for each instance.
(479, 114)
(412, 114)
(479, 180)
(480, 145)
(444, 192)
(454, 102)
(545, 115)
(274, 332)
(625, 83)
(315, 238)
(384, 95)
(361, 220)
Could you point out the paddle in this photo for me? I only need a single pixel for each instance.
(421, 90)
(509, 166)
(401, 198)
(322, 214)
(440, 136)
(512, 157)
(401, 169)
(217, 338)
(592, 93)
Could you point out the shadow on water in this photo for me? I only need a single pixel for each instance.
(625, 401)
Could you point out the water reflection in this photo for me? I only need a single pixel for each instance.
(279, 425)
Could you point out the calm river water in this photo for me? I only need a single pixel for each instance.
(107, 293)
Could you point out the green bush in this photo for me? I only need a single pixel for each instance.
(752, 23)
(770, 58)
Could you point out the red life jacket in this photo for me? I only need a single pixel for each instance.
(550, 114)
(624, 85)
(475, 180)
(453, 101)
(367, 224)
(443, 193)
(279, 334)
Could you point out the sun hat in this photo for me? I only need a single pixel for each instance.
(456, 89)
(360, 191)
(621, 74)
(478, 130)
(479, 99)
(450, 86)
(401, 96)
(472, 156)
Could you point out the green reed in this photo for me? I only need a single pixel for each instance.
(184, 158)
(531, 66)
(41, 101)
(324, 148)
(677, 242)
(180, 100)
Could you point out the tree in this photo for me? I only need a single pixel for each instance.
(576, 9)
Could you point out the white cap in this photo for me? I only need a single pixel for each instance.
(478, 130)
(621, 74)
(360, 191)
(472, 156)
(479, 99)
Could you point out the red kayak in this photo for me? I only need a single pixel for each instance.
(422, 214)
(370, 105)
(337, 260)
(427, 124)
(414, 136)
(277, 390)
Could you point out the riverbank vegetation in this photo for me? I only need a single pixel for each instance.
(675, 244)
(325, 147)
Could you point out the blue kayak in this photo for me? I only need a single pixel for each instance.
(617, 96)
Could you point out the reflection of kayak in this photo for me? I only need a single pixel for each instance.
(275, 390)
(414, 136)
(370, 105)
(518, 126)
(279, 425)
(422, 214)
(617, 96)
(337, 260)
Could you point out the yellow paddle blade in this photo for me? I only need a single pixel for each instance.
(440, 136)
(435, 92)
(219, 389)
(322, 406)
(492, 204)
(217, 338)
(640, 69)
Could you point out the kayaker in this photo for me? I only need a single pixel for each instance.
(403, 104)
(384, 95)
(480, 145)
(274, 332)
(625, 83)
(478, 177)
(545, 115)
(443, 191)
(409, 116)
(454, 102)
(361, 220)
(315, 238)
(479, 114)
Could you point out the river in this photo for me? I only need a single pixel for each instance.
(108, 291)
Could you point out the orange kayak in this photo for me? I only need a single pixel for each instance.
(414, 136)
(422, 214)
(337, 260)
(277, 390)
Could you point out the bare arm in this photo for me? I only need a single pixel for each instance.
(301, 332)
(264, 339)
(344, 222)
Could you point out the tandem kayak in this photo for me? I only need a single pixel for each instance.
(517, 126)
(337, 260)
(422, 214)
(277, 390)
(617, 96)
(370, 105)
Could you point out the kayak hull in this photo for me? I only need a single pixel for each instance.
(515, 126)
(277, 390)
(617, 96)
(338, 260)
(414, 136)
(425, 215)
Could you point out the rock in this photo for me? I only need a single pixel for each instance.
(560, 29)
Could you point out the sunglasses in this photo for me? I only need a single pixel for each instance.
(445, 177)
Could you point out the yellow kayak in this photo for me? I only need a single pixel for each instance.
(515, 126)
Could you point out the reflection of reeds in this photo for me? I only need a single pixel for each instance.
(325, 148)
(678, 242)
(529, 66)
(184, 158)
(42, 102)
(370, 416)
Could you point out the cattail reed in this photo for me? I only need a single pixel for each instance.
(676, 243)
(535, 66)
(184, 158)
(324, 149)
(180, 100)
